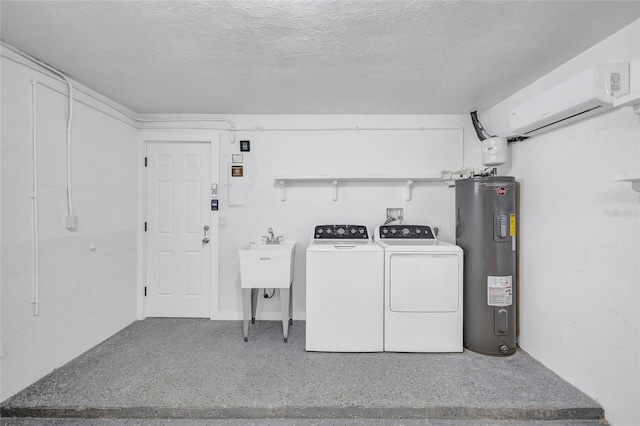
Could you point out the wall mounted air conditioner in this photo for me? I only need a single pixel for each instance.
(589, 93)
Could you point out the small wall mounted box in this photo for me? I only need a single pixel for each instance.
(245, 146)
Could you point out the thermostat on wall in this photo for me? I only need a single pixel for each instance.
(245, 146)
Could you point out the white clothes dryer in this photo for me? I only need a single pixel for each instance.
(345, 291)
(423, 293)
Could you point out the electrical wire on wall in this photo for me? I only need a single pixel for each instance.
(102, 101)
(483, 134)
(34, 197)
(69, 121)
(49, 68)
(480, 131)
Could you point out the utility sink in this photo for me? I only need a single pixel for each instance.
(267, 265)
(263, 266)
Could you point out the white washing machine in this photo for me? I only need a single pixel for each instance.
(422, 290)
(345, 290)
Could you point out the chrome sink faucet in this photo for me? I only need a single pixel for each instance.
(271, 238)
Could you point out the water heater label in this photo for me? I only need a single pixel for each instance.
(499, 291)
(512, 231)
(512, 225)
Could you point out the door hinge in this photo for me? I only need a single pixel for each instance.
(145, 161)
(145, 291)
(145, 227)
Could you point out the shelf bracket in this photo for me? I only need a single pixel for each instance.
(282, 192)
(335, 190)
(632, 99)
(407, 190)
(633, 178)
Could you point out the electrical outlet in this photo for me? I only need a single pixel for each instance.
(72, 222)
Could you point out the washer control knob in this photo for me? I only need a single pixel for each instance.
(328, 231)
(385, 230)
(361, 230)
(353, 230)
(320, 231)
(341, 231)
(406, 231)
(393, 230)
(418, 231)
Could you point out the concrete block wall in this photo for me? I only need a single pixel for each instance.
(580, 237)
(85, 295)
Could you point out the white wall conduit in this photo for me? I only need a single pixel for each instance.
(34, 197)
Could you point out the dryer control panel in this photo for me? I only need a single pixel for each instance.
(341, 232)
(407, 232)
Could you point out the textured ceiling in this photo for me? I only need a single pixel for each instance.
(309, 57)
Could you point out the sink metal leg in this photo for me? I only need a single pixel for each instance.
(291, 304)
(254, 304)
(246, 311)
(285, 297)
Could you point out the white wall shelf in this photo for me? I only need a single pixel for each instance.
(634, 178)
(408, 181)
(632, 99)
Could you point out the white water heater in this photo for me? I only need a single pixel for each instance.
(495, 151)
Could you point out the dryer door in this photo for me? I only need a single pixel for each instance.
(423, 282)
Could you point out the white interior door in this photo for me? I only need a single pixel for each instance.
(178, 225)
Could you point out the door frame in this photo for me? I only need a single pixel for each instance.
(144, 137)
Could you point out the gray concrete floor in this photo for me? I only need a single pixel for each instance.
(20, 421)
(182, 371)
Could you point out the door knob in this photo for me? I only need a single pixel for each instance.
(205, 240)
